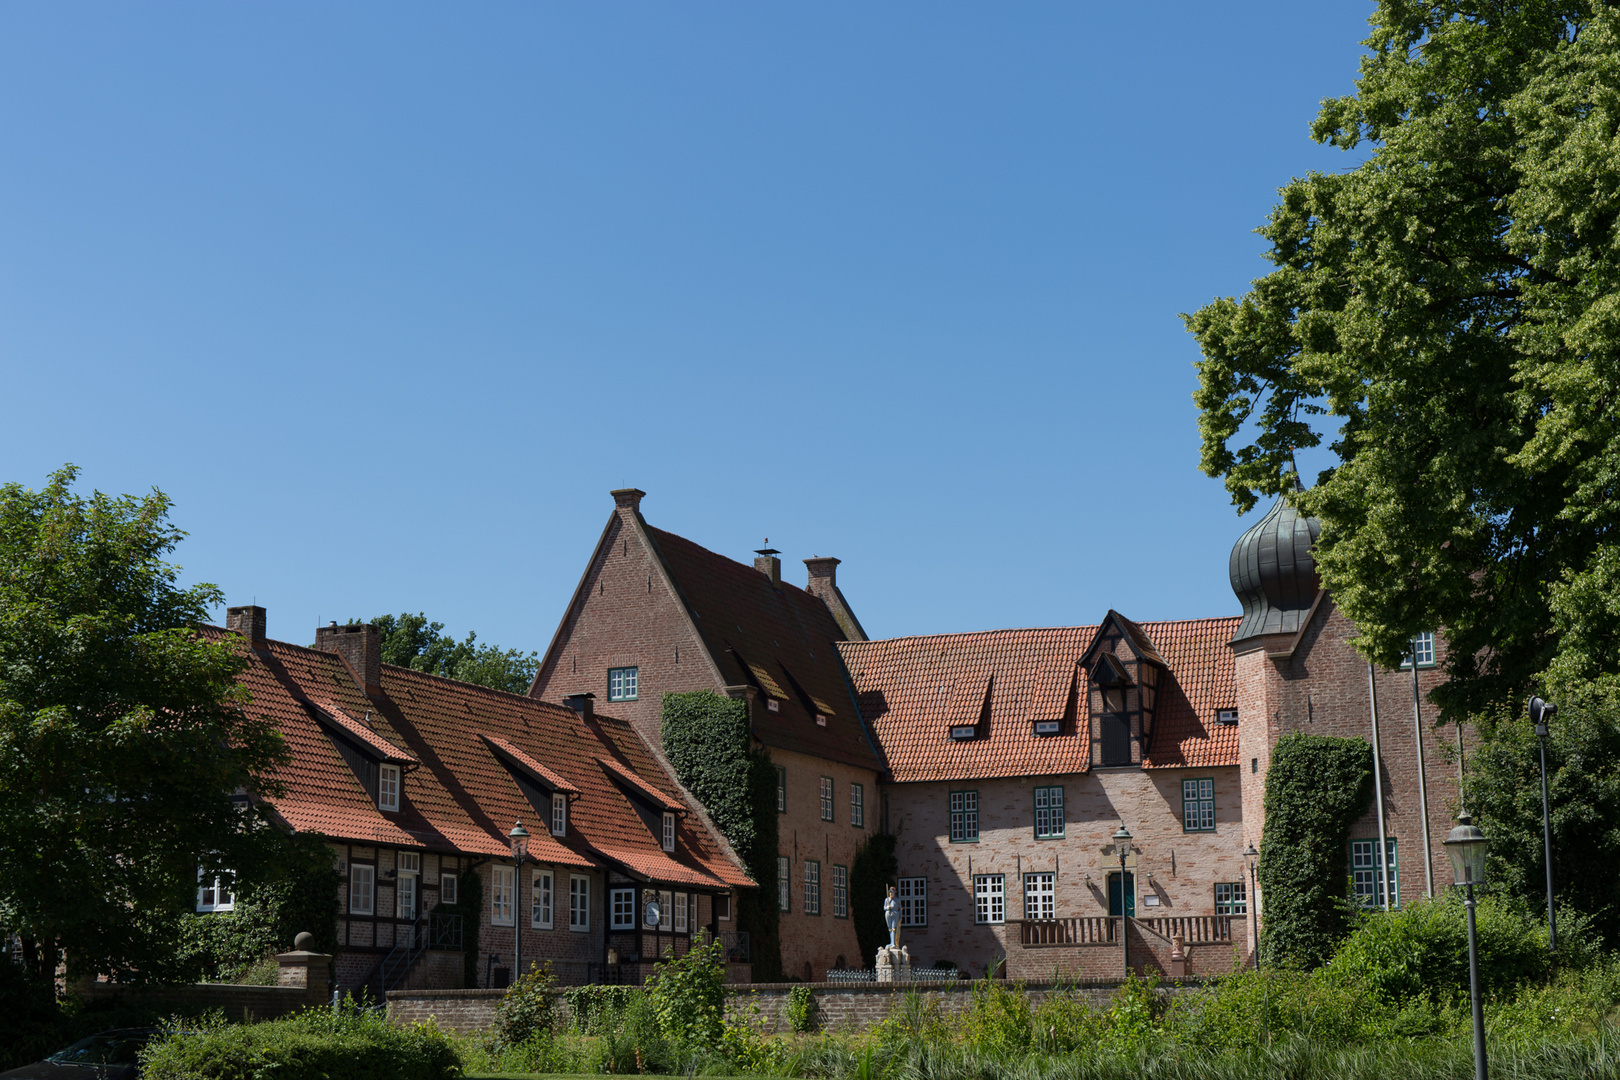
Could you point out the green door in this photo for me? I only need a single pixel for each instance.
(1114, 897)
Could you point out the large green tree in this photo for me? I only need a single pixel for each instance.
(1448, 313)
(123, 735)
(414, 642)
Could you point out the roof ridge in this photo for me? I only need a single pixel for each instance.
(781, 582)
(479, 687)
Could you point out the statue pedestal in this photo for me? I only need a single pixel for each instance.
(893, 965)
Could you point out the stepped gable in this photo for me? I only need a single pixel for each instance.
(777, 638)
(911, 690)
(459, 795)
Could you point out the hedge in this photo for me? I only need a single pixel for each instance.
(313, 1045)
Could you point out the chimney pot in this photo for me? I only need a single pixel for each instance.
(823, 573)
(628, 498)
(247, 620)
(581, 704)
(767, 563)
(361, 646)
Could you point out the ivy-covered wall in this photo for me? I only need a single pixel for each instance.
(1316, 789)
(707, 741)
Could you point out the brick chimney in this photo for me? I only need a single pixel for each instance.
(628, 498)
(361, 646)
(824, 585)
(583, 704)
(247, 620)
(767, 563)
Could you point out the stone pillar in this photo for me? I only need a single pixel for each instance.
(1178, 958)
(302, 968)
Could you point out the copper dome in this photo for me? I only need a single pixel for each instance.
(1273, 572)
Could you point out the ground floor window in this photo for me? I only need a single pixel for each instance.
(540, 901)
(1364, 872)
(812, 887)
(362, 888)
(214, 892)
(1040, 896)
(1231, 898)
(623, 903)
(840, 883)
(579, 902)
(989, 898)
(681, 900)
(500, 897)
(784, 884)
(913, 896)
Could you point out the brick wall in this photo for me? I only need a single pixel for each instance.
(240, 1004)
(576, 955)
(1177, 869)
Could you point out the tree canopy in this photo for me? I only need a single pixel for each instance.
(413, 642)
(123, 734)
(1448, 314)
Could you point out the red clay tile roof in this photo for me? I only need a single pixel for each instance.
(640, 787)
(463, 796)
(911, 689)
(380, 746)
(777, 638)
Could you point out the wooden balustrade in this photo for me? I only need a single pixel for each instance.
(1104, 929)
(1192, 929)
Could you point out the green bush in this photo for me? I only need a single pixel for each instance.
(688, 996)
(1423, 949)
(314, 1045)
(526, 1008)
(593, 1010)
(1316, 788)
(637, 1044)
(998, 1019)
(801, 1009)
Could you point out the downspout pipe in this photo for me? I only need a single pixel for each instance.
(1423, 781)
(1378, 787)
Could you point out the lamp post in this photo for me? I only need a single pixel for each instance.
(1540, 713)
(520, 851)
(1466, 849)
(1250, 855)
(1122, 844)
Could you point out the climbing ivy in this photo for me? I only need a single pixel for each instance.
(469, 905)
(871, 872)
(1316, 788)
(708, 742)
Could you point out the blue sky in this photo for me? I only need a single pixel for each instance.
(387, 297)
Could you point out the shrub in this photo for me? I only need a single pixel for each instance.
(526, 1008)
(688, 996)
(1423, 949)
(997, 1021)
(801, 1009)
(1064, 1022)
(317, 1044)
(638, 1044)
(1250, 1008)
(594, 1010)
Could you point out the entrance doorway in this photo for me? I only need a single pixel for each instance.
(1122, 898)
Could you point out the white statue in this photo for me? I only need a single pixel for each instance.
(891, 916)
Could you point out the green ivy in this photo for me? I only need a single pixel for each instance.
(469, 905)
(1316, 788)
(708, 743)
(871, 872)
(801, 1009)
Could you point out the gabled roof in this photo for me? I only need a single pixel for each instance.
(465, 796)
(775, 637)
(906, 688)
(640, 789)
(335, 717)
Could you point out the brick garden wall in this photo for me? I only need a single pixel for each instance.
(241, 1004)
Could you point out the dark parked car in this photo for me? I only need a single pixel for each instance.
(108, 1055)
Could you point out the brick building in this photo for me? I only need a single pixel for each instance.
(415, 781)
(655, 613)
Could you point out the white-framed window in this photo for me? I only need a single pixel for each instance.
(781, 791)
(579, 903)
(1198, 806)
(722, 906)
(666, 910)
(405, 896)
(1423, 648)
(388, 787)
(541, 898)
(857, 805)
(826, 798)
(989, 898)
(622, 905)
(1364, 873)
(447, 888)
(680, 912)
(912, 892)
(1231, 898)
(840, 884)
(784, 884)
(1049, 823)
(214, 892)
(812, 887)
(559, 814)
(362, 888)
(622, 683)
(669, 831)
(964, 817)
(500, 897)
(410, 862)
(1040, 896)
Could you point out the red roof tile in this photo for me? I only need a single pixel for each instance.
(641, 787)
(384, 749)
(551, 779)
(912, 689)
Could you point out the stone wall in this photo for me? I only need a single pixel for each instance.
(241, 1004)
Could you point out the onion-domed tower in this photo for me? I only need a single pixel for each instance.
(1273, 571)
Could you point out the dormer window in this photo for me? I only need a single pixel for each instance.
(1226, 716)
(772, 705)
(559, 814)
(1111, 679)
(388, 787)
(669, 831)
(1048, 727)
(964, 731)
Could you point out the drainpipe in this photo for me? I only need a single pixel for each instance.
(1423, 781)
(1378, 787)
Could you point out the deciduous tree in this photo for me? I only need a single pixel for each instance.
(414, 642)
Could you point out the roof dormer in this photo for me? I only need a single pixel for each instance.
(1123, 673)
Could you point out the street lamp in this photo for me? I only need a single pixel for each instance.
(1466, 849)
(520, 851)
(1122, 844)
(1250, 855)
(1540, 713)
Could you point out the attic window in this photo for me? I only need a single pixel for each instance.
(821, 721)
(772, 705)
(964, 731)
(1048, 727)
(669, 831)
(388, 787)
(1226, 716)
